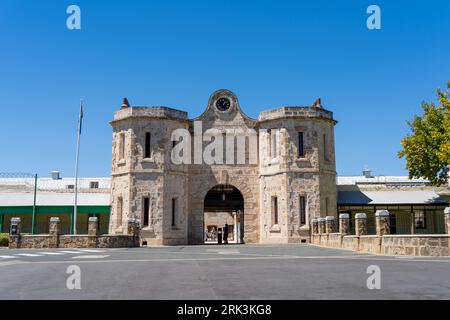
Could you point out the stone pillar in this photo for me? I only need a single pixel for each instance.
(134, 230)
(322, 227)
(315, 226)
(382, 222)
(14, 233)
(329, 224)
(344, 224)
(447, 219)
(92, 232)
(360, 224)
(93, 226)
(54, 231)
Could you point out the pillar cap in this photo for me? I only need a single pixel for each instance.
(344, 216)
(93, 219)
(329, 218)
(447, 210)
(360, 216)
(55, 219)
(321, 219)
(382, 213)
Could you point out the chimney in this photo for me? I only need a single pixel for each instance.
(125, 104)
(367, 173)
(56, 175)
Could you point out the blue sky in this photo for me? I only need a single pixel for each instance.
(175, 53)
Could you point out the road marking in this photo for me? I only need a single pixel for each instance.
(224, 251)
(7, 257)
(92, 250)
(74, 252)
(28, 254)
(91, 257)
(52, 253)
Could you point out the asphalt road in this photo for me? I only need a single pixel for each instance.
(218, 272)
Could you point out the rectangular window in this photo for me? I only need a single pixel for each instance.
(275, 210)
(93, 184)
(147, 145)
(420, 219)
(174, 209)
(146, 211)
(119, 211)
(302, 210)
(325, 147)
(274, 141)
(301, 146)
(121, 146)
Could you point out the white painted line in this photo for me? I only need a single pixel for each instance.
(74, 252)
(91, 257)
(92, 250)
(7, 257)
(52, 253)
(28, 254)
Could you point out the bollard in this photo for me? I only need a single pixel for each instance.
(322, 228)
(447, 219)
(360, 224)
(315, 226)
(382, 222)
(344, 224)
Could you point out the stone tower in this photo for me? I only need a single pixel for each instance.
(275, 173)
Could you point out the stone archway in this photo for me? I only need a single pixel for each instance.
(223, 205)
(248, 186)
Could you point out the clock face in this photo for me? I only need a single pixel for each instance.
(223, 104)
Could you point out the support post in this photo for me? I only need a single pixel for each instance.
(33, 217)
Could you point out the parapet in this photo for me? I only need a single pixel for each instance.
(296, 112)
(160, 112)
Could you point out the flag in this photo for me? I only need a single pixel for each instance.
(80, 119)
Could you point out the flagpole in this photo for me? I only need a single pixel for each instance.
(76, 168)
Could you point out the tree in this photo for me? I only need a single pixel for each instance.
(427, 148)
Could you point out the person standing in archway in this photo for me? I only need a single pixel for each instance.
(225, 234)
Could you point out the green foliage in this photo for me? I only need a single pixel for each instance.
(4, 239)
(427, 148)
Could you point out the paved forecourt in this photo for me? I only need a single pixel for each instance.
(219, 272)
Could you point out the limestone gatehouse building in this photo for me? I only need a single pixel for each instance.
(265, 186)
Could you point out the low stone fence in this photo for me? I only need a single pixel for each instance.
(324, 234)
(55, 240)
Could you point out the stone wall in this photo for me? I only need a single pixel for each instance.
(382, 242)
(92, 240)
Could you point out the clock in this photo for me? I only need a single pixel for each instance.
(223, 104)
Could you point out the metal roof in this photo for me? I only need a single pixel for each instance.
(389, 197)
(53, 199)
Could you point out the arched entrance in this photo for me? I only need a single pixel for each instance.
(223, 204)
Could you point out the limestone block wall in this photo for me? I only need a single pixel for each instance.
(416, 245)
